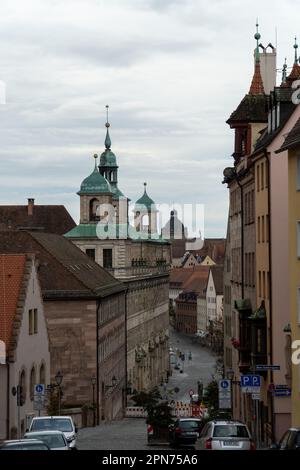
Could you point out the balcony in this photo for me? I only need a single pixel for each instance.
(132, 272)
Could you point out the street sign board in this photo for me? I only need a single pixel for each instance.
(266, 367)
(282, 392)
(39, 389)
(255, 396)
(224, 394)
(250, 383)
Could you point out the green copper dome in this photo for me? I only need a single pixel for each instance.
(95, 183)
(108, 159)
(145, 201)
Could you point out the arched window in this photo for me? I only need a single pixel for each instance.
(23, 385)
(42, 374)
(32, 383)
(94, 203)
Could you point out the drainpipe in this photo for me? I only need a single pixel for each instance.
(97, 360)
(126, 351)
(242, 236)
(7, 400)
(270, 293)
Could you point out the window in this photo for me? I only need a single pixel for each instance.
(259, 283)
(258, 229)
(91, 253)
(298, 174)
(264, 284)
(257, 178)
(32, 383)
(298, 305)
(107, 258)
(23, 385)
(267, 228)
(42, 374)
(30, 322)
(298, 239)
(35, 321)
(262, 175)
(263, 229)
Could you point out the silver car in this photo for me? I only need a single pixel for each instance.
(56, 423)
(225, 435)
(55, 440)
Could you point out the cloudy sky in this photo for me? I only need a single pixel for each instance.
(172, 71)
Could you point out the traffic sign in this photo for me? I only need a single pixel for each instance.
(255, 396)
(39, 389)
(266, 367)
(250, 383)
(282, 392)
(225, 394)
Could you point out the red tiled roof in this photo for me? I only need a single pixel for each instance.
(257, 86)
(11, 276)
(197, 281)
(294, 75)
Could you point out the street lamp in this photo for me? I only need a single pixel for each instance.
(94, 380)
(113, 383)
(58, 380)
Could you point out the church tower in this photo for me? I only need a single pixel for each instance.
(145, 214)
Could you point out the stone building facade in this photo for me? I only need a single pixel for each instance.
(135, 255)
(85, 313)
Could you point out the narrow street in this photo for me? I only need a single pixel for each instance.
(131, 433)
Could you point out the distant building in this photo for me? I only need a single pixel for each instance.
(24, 333)
(186, 310)
(84, 308)
(33, 217)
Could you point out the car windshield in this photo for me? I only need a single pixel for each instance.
(54, 424)
(230, 430)
(52, 440)
(25, 446)
(189, 424)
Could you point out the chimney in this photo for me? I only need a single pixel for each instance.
(30, 206)
(268, 67)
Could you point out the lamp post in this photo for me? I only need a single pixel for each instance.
(58, 380)
(94, 380)
(230, 376)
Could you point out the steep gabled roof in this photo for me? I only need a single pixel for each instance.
(64, 270)
(45, 218)
(11, 279)
(252, 108)
(293, 138)
(217, 274)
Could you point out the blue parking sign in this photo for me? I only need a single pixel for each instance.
(250, 381)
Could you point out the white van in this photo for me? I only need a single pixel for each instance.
(56, 423)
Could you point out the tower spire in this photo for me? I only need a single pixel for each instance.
(257, 86)
(296, 53)
(95, 157)
(284, 67)
(257, 36)
(107, 142)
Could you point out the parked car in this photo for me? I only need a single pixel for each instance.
(225, 435)
(24, 444)
(289, 441)
(56, 423)
(55, 440)
(184, 431)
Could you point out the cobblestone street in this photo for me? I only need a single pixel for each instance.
(131, 433)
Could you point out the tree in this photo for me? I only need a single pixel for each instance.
(211, 396)
(158, 411)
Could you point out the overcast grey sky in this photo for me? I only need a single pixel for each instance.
(172, 71)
